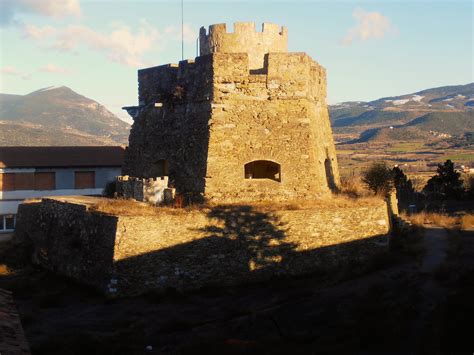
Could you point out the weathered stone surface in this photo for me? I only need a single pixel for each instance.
(12, 337)
(68, 240)
(187, 249)
(219, 113)
(147, 190)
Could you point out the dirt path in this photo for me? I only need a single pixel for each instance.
(431, 292)
(434, 242)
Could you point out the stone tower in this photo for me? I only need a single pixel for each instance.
(245, 121)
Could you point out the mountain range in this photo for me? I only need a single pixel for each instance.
(438, 113)
(58, 116)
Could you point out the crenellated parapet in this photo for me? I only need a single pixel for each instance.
(244, 39)
(283, 74)
(175, 83)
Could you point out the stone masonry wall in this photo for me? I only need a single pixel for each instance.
(147, 190)
(177, 131)
(66, 239)
(279, 116)
(211, 117)
(188, 249)
(245, 39)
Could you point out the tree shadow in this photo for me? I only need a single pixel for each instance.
(261, 235)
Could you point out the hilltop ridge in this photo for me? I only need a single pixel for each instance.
(58, 116)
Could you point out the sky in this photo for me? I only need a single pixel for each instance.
(370, 49)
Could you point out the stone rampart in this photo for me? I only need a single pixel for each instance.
(188, 249)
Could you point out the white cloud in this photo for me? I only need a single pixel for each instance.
(9, 70)
(51, 68)
(35, 32)
(369, 25)
(121, 44)
(51, 8)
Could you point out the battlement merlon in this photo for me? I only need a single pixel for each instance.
(245, 39)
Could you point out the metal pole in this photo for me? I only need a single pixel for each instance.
(182, 30)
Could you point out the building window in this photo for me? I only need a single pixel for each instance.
(24, 181)
(84, 180)
(27, 181)
(7, 182)
(263, 169)
(7, 222)
(45, 181)
(17, 181)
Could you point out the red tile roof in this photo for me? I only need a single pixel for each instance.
(12, 338)
(53, 157)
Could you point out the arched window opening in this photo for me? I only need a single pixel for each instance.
(263, 169)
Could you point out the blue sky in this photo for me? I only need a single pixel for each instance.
(370, 49)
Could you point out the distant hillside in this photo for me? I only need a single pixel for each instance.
(429, 114)
(430, 126)
(58, 116)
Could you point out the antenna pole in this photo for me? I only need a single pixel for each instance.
(182, 30)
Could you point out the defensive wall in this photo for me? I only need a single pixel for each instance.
(187, 249)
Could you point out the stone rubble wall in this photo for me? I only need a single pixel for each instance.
(187, 249)
(66, 239)
(147, 190)
(12, 336)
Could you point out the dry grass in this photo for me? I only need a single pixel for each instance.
(326, 203)
(467, 221)
(354, 187)
(441, 219)
(134, 208)
(4, 271)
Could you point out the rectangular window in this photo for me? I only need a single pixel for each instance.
(7, 222)
(10, 222)
(45, 181)
(24, 181)
(84, 180)
(7, 182)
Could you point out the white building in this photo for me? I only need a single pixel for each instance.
(33, 172)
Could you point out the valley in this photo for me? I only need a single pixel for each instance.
(415, 131)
